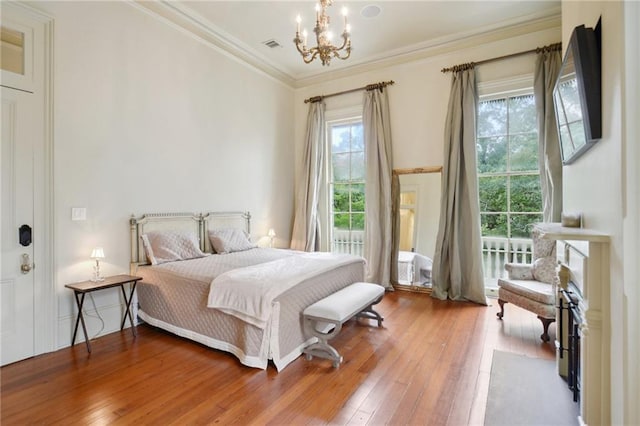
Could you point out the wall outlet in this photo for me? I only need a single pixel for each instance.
(78, 213)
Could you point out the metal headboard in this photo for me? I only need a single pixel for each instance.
(199, 223)
(219, 220)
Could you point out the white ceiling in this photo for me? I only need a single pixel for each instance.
(402, 27)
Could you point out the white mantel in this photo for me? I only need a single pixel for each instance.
(595, 332)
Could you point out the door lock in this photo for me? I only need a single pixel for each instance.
(26, 265)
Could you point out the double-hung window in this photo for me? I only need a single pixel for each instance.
(346, 185)
(508, 179)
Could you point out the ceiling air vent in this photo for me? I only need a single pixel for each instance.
(271, 43)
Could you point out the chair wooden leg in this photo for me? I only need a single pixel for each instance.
(501, 313)
(546, 322)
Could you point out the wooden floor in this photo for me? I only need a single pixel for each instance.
(429, 364)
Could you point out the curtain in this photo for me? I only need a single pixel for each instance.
(547, 68)
(377, 138)
(306, 226)
(457, 266)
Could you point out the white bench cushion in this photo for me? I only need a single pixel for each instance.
(345, 303)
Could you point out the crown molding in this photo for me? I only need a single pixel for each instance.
(437, 47)
(179, 16)
(188, 21)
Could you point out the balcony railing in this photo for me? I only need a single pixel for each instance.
(345, 241)
(496, 251)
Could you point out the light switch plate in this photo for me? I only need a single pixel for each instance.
(78, 213)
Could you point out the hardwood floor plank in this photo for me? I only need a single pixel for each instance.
(430, 363)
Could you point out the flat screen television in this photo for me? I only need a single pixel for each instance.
(577, 94)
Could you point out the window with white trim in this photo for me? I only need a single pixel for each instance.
(346, 182)
(508, 174)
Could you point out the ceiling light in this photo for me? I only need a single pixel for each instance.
(324, 49)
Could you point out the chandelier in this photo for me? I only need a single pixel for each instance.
(323, 49)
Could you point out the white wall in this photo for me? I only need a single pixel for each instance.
(598, 185)
(149, 119)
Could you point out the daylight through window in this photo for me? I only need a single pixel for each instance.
(346, 186)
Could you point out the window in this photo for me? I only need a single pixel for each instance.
(508, 176)
(346, 185)
(508, 180)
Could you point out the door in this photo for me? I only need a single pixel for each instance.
(27, 295)
(17, 284)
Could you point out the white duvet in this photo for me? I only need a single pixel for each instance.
(248, 293)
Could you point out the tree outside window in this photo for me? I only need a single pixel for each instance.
(508, 176)
(346, 186)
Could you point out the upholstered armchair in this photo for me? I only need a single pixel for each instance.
(533, 286)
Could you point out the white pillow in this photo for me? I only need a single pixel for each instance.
(230, 240)
(168, 246)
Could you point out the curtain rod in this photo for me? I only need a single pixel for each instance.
(549, 48)
(367, 87)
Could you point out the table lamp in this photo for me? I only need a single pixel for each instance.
(97, 254)
(271, 234)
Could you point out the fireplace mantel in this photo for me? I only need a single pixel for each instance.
(589, 250)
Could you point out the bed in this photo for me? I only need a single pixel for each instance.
(414, 269)
(176, 294)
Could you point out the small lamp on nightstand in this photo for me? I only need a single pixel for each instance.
(271, 234)
(97, 254)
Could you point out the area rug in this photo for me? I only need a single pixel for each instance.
(527, 391)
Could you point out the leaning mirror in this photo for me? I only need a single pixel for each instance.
(419, 213)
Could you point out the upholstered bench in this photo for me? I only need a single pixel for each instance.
(324, 318)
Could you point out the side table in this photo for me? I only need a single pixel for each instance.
(82, 288)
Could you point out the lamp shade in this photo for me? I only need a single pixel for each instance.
(97, 253)
(271, 233)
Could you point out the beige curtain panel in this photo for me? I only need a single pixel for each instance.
(457, 266)
(377, 139)
(547, 68)
(306, 225)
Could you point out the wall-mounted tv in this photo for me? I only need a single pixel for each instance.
(577, 94)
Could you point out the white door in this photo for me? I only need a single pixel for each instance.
(17, 286)
(27, 295)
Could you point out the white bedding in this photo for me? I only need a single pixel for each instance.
(248, 293)
(174, 296)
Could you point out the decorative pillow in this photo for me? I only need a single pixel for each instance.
(167, 246)
(230, 240)
(544, 269)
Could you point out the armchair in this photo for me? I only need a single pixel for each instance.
(532, 286)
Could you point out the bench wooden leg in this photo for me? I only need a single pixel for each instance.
(322, 349)
(370, 313)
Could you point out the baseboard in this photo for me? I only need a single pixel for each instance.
(111, 319)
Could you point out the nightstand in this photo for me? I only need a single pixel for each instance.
(82, 288)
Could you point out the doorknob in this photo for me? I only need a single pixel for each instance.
(26, 266)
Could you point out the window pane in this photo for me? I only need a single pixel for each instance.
(493, 193)
(357, 198)
(522, 224)
(341, 221)
(492, 118)
(526, 195)
(341, 198)
(357, 137)
(357, 166)
(494, 225)
(340, 138)
(341, 167)
(522, 114)
(12, 50)
(492, 154)
(524, 152)
(357, 221)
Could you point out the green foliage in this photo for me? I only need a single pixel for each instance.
(507, 143)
